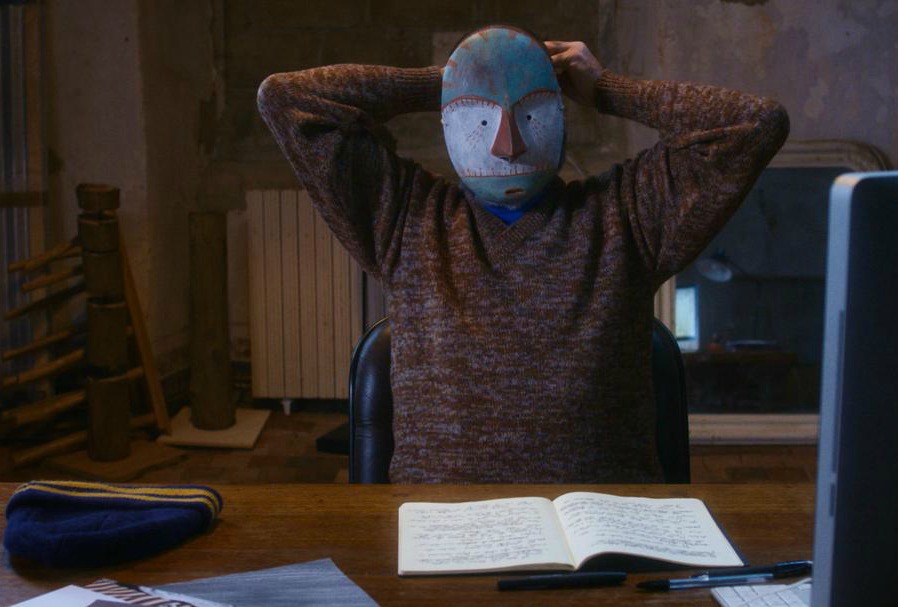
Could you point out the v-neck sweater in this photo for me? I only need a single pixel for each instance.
(521, 353)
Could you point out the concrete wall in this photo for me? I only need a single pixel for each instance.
(96, 128)
(181, 98)
(130, 85)
(832, 63)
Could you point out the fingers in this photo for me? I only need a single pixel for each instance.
(559, 46)
(555, 46)
(564, 54)
(561, 54)
(559, 51)
(577, 69)
(561, 62)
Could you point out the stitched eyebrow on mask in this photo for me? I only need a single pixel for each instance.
(470, 100)
(476, 99)
(536, 93)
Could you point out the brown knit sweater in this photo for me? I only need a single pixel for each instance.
(521, 353)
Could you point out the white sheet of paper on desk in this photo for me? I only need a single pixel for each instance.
(314, 583)
(764, 595)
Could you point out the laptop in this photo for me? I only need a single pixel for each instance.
(856, 524)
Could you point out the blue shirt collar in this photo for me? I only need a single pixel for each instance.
(509, 215)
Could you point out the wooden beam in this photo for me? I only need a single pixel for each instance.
(54, 366)
(47, 301)
(69, 442)
(41, 410)
(37, 344)
(51, 279)
(63, 249)
(144, 348)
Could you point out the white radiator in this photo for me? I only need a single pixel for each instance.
(305, 300)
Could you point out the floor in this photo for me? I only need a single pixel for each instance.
(286, 453)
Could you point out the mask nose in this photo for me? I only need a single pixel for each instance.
(508, 144)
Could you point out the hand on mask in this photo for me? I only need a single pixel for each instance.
(577, 70)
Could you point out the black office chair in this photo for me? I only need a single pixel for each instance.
(371, 406)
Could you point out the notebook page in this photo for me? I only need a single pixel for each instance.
(678, 530)
(488, 535)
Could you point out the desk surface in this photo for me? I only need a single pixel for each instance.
(265, 526)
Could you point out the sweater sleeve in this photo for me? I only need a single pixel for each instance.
(713, 145)
(325, 121)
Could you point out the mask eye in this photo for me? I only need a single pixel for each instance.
(537, 110)
(468, 122)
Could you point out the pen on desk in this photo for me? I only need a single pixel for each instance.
(705, 581)
(731, 577)
(783, 569)
(580, 579)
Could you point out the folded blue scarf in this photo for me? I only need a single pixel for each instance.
(85, 524)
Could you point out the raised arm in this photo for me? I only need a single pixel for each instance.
(324, 120)
(713, 145)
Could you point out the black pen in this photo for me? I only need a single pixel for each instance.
(731, 577)
(784, 569)
(705, 581)
(580, 579)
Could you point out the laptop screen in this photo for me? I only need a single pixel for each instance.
(856, 525)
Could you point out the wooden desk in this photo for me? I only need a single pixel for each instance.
(355, 525)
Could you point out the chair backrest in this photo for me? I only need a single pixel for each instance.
(672, 412)
(371, 406)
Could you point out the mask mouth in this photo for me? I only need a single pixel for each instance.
(514, 192)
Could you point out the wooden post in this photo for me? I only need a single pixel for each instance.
(109, 402)
(98, 234)
(111, 305)
(103, 275)
(107, 336)
(212, 402)
(108, 395)
(97, 197)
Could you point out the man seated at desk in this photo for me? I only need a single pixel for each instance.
(521, 306)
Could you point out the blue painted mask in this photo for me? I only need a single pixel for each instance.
(503, 118)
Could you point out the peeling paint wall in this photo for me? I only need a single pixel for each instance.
(180, 95)
(128, 82)
(95, 118)
(832, 63)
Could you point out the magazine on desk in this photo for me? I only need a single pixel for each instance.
(110, 593)
(535, 533)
